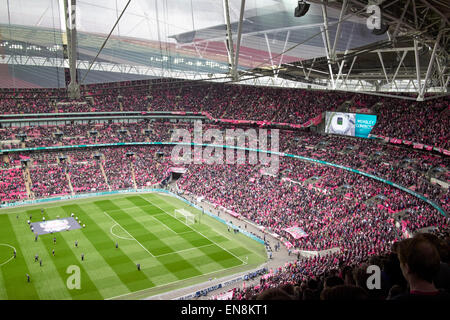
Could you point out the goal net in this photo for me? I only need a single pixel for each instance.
(185, 216)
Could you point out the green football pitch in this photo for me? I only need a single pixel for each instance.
(172, 254)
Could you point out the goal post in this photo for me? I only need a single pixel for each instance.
(184, 215)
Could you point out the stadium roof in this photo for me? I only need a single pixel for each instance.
(189, 39)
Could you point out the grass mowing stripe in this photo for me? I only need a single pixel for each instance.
(98, 269)
(14, 272)
(145, 237)
(224, 258)
(176, 264)
(47, 287)
(119, 262)
(64, 257)
(181, 268)
(117, 224)
(182, 230)
(172, 223)
(165, 202)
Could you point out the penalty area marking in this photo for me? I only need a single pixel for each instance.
(120, 237)
(12, 257)
(130, 235)
(151, 202)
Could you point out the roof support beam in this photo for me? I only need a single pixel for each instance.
(399, 65)
(441, 71)
(229, 38)
(326, 41)
(430, 65)
(312, 65)
(282, 55)
(256, 33)
(351, 67)
(339, 28)
(416, 54)
(394, 35)
(325, 25)
(340, 68)
(301, 66)
(238, 42)
(73, 87)
(382, 66)
(443, 16)
(270, 54)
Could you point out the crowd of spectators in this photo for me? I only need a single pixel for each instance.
(327, 213)
(408, 167)
(12, 185)
(424, 122)
(412, 269)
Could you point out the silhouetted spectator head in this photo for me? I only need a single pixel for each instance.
(438, 243)
(288, 288)
(309, 295)
(419, 259)
(393, 270)
(313, 284)
(395, 291)
(347, 275)
(376, 260)
(274, 294)
(360, 275)
(333, 281)
(395, 247)
(343, 292)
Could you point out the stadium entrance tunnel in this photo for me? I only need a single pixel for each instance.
(173, 176)
(176, 176)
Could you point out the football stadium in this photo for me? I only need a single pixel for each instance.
(232, 150)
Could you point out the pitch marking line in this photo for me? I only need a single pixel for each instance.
(243, 262)
(111, 230)
(176, 281)
(132, 207)
(7, 245)
(130, 235)
(184, 250)
(151, 216)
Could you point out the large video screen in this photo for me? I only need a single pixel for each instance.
(350, 124)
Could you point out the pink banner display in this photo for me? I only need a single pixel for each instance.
(314, 121)
(234, 214)
(414, 144)
(296, 232)
(288, 244)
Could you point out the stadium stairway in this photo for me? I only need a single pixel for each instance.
(27, 180)
(345, 105)
(70, 183)
(104, 175)
(133, 175)
(277, 112)
(377, 106)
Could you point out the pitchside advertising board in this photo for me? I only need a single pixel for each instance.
(349, 124)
